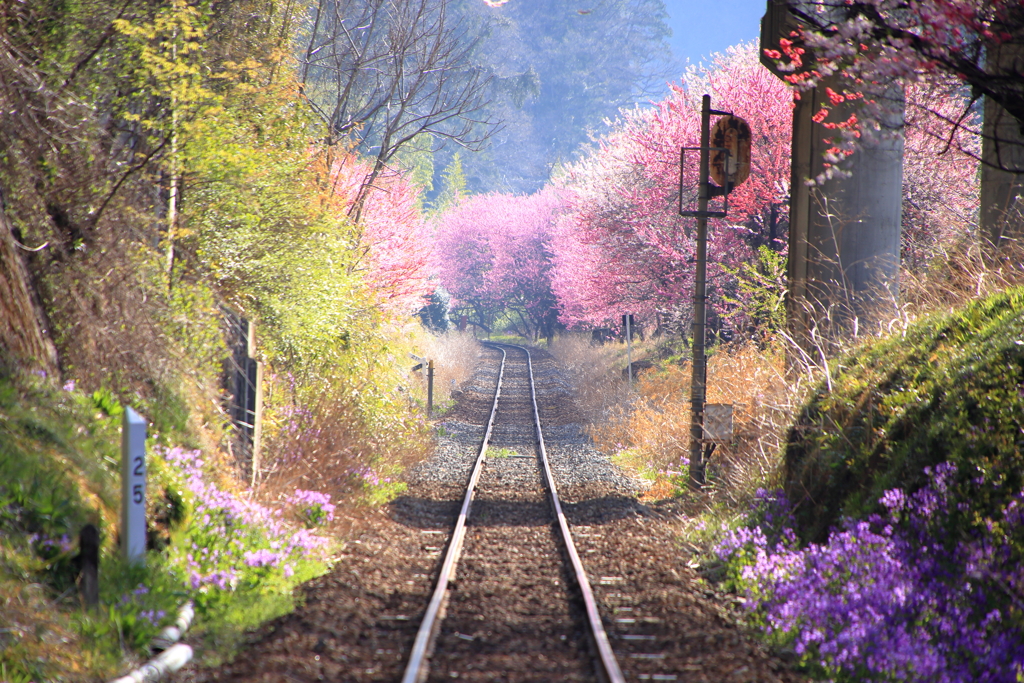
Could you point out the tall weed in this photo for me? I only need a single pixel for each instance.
(596, 372)
(323, 438)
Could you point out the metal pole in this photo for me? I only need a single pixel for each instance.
(698, 382)
(629, 350)
(430, 387)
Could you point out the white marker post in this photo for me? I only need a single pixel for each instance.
(133, 487)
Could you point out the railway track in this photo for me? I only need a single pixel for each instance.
(512, 609)
(469, 648)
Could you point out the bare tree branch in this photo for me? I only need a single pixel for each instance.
(389, 71)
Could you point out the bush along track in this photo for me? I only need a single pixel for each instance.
(895, 550)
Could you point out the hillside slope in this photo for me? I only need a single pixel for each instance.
(950, 390)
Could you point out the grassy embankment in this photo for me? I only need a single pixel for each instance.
(209, 542)
(893, 549)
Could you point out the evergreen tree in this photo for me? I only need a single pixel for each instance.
(453, 185)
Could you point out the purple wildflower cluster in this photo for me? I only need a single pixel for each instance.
(892, 597)
(370, 478)
(233, 541)
(48, 547)
(134, 600)
(312, 507)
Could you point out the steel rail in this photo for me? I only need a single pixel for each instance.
(606, 658)
(416, 670)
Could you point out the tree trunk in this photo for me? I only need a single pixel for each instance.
(24, 342)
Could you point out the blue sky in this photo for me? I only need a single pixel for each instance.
(700, 27)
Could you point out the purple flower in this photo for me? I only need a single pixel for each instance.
(225, 525)
(261, 558)
(890, 598)
(894, 500)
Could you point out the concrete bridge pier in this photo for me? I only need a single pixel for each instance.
(844, 233)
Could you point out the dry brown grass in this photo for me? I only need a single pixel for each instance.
(329, 445)
(38, 636)
(962, 270)
(652, 436)
(454, 355)
(595, 372)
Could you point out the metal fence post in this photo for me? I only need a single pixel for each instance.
(89, 555)
(133, 486)
(430, 388)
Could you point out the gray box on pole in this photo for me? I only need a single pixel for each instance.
(133, 487)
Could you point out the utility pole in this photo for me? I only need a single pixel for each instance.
(699, 377)
(730, 166)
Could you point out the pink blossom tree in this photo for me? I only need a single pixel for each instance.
(940, 173)
(493, 257)
(394, 243)
(621, 245)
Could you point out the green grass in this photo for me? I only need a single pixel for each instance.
(950, 389)
(59, 470)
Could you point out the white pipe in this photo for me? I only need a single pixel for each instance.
(172, 634)
(168, 661)
(173, 657)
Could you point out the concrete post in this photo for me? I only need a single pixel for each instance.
(844, 235)
(1002, 191)
(133, 486)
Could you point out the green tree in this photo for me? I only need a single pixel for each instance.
(453, 185)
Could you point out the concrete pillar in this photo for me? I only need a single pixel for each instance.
(1002, 191)
(844, 234)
